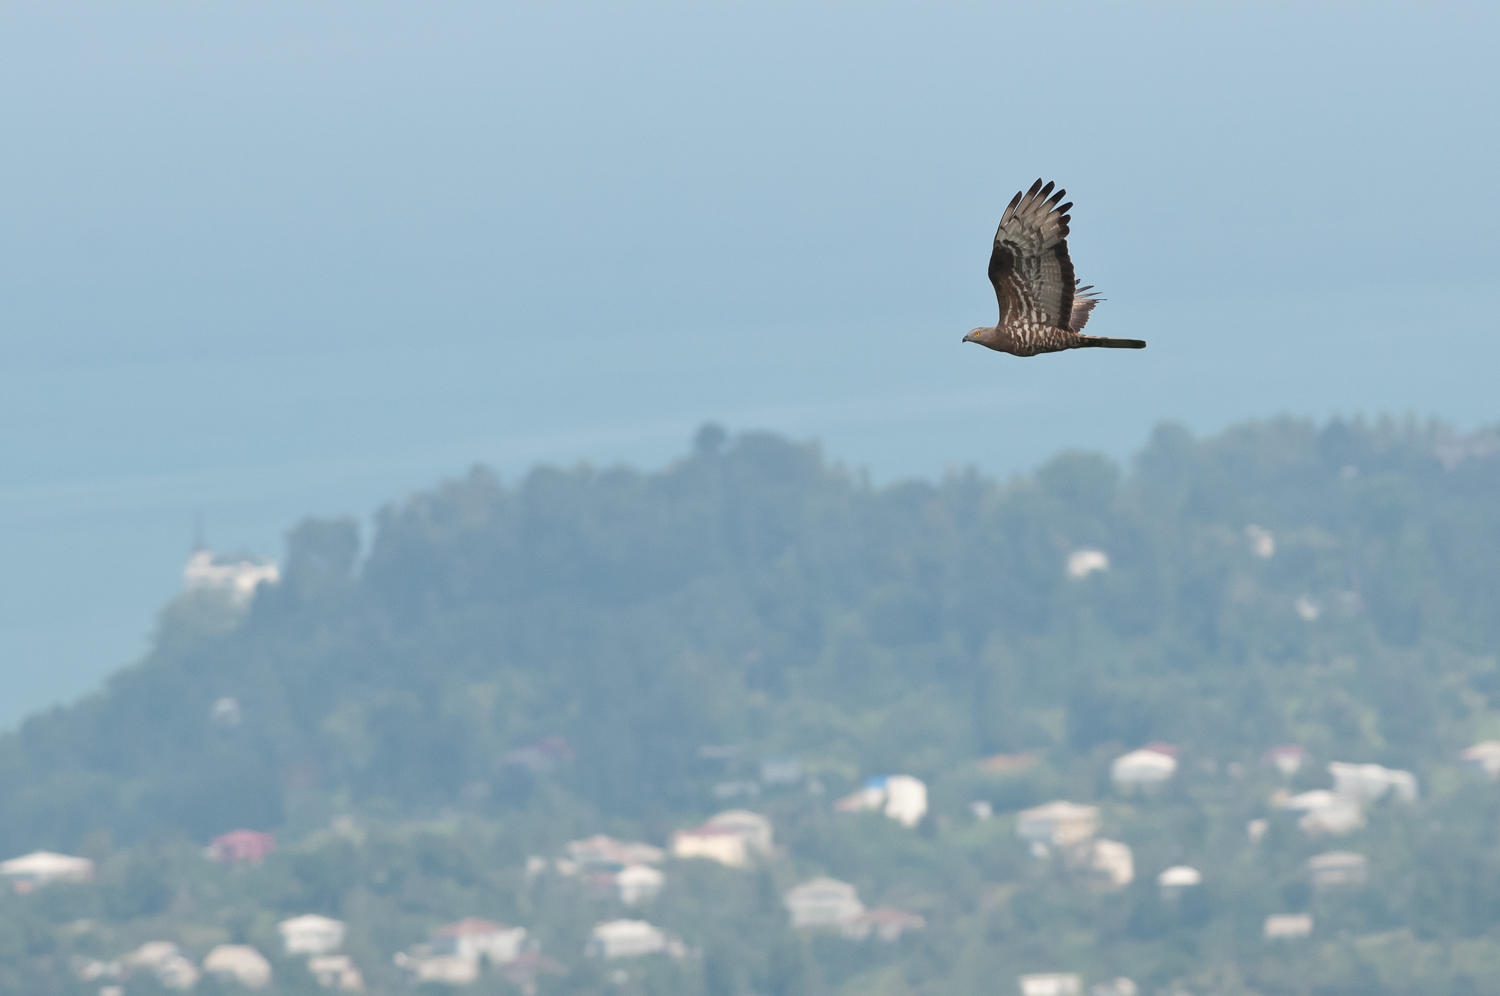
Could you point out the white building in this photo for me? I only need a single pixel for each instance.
(1178, 879)
(1483, 757)
(1369, 782)
(311, 934)
(1142, 769)
(1262, 542)
(1286, 758)
(1325, 812)
(755, 828)
(1118, 986)
(715, 843)
(638, 884)
(43, 867)
(901, 797)
(422, 966)
(1334, 869)
(240, 963)
(1082, 563)
(823, 903)
(1058, 823)
(600, 851)
(1281, 925)
(337, 972)
(165, 962)
(625, 939)
(1050, 984)
(238, 578)
(1110, 864)
(473, 938)
(886, 924)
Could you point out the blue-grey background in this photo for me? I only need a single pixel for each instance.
(265, 260)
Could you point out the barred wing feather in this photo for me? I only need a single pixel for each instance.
(1029, 265)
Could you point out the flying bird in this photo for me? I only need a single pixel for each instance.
(1042, 308)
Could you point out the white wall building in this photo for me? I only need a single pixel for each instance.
(1282, 925)
(601, 851)
(1082, 563)
(625, 939)
(311, 934)
(1369, 782)
(240, 963)
(1110, 863)
(1335, 869)
(1058, 824)
(1142, 769)
(715, 843)
(426, 967)
(1050, 984)
(337, 972)
(1483, 757)
(238, 578)
(823, 903)
(1178, 879)
(1325, 812)
(638, 884)
(43, 867)
(474, 939)
(163, 960)
(755, 828)
(901, 797)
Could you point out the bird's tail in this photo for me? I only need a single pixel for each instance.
(1085, 341)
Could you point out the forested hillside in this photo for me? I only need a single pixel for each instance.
(755, 595)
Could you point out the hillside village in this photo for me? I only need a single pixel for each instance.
(752, 727)
(1060, 833)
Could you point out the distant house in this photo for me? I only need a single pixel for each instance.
(1082, 563)
(901, 797)
(638, 884)
(241, 845)
(1178, 879)
(1336, 869)
(420, 966)
(715, 843)
(1325, 812)
(474, 939)
(886, 924)
(1119, 986)
(1369, 782)
(1262, 542)
(1058, 824)
(1286, 758)
(311, 934)
(43, 868)
(164, 961)
(1144, 768)
(600, 851)
(625, 939)
(1483, 757)
(337, 972)
(237, 577)
(1284, 925)
(1008, 764)
(1050, 984)
(240, 963)
(753, 827)
(1109, 864)
(823, 903)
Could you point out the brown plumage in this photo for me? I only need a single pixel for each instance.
(1042, 308)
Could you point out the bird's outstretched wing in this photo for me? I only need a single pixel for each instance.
(1084, 299)
(1029, 266)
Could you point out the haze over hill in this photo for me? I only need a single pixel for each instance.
(501, 668)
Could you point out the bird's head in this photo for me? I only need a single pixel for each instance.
(973, 335)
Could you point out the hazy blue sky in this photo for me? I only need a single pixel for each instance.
(273, 259)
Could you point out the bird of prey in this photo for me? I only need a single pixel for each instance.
(1042, 308)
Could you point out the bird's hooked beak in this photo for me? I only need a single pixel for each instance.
(969, 337)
